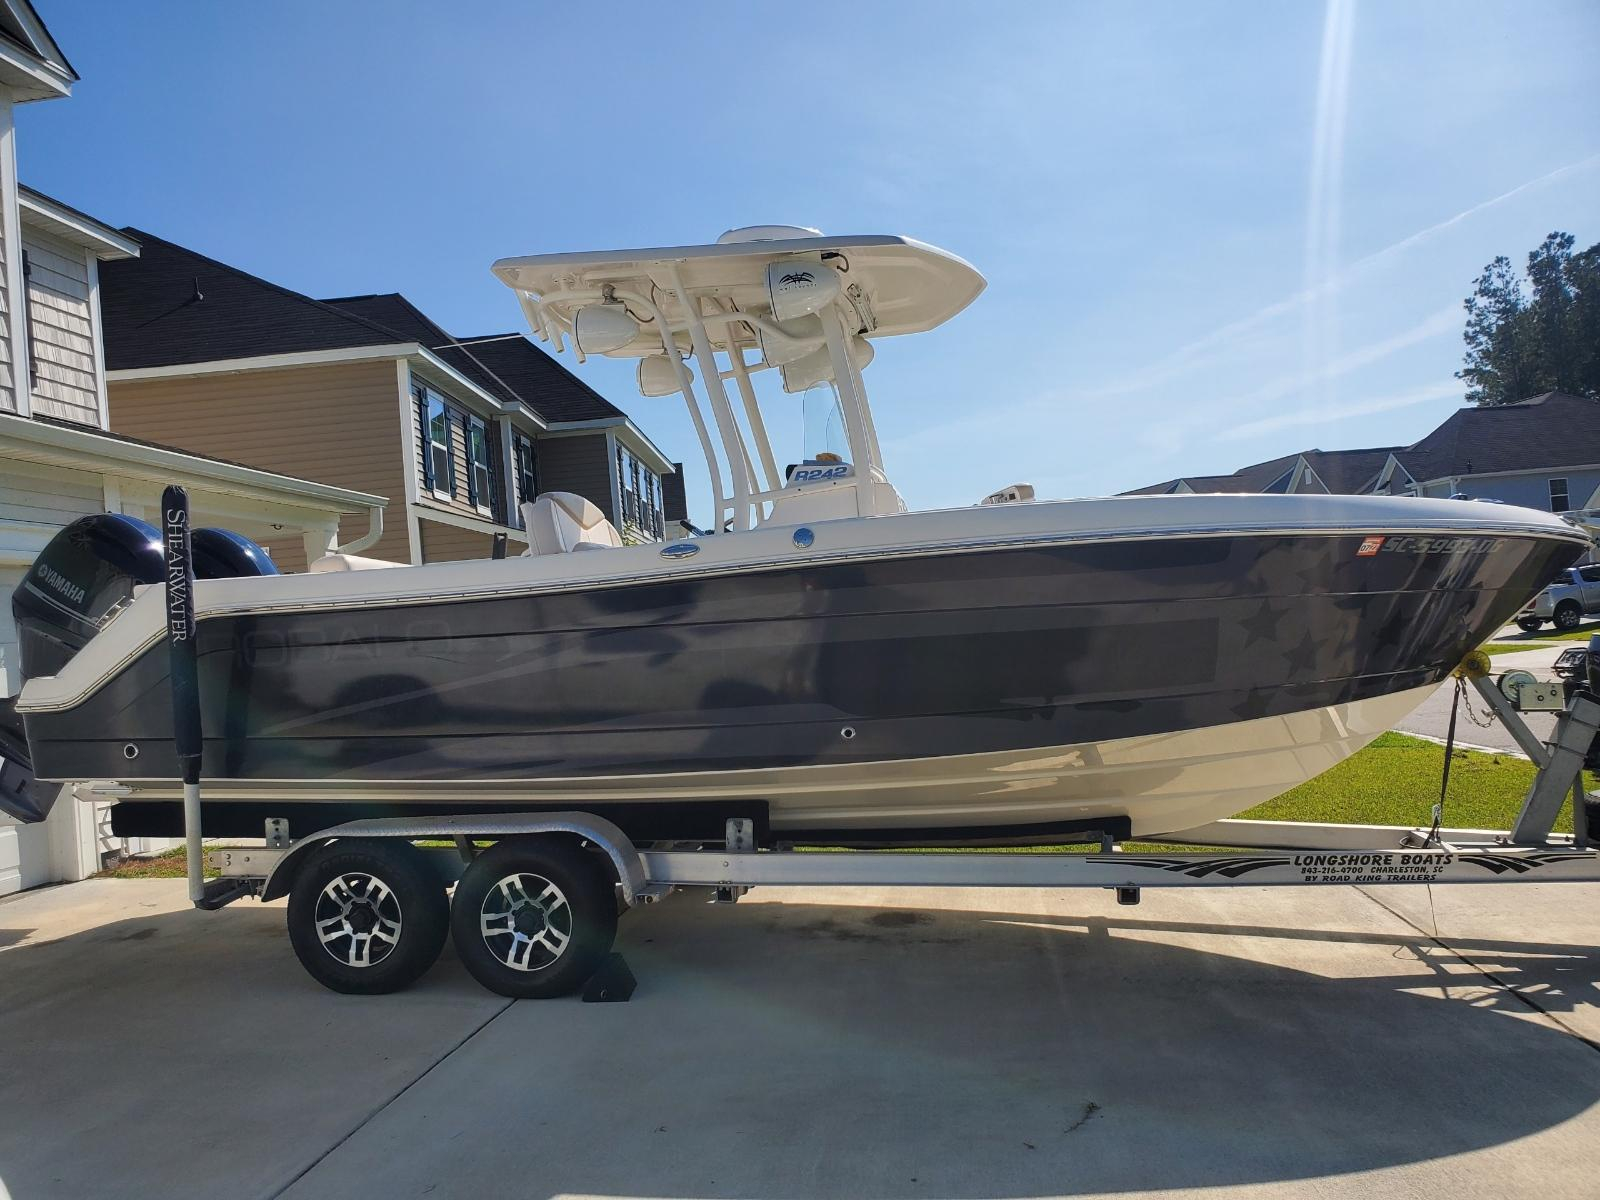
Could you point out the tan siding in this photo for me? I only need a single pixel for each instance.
(581, 464)
(337, 424)
(60, 331)
(451, 543)
(288, 553)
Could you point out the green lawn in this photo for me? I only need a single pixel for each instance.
(1394, 781)
(1581, 634)
(1548, 632)
(1493, 648)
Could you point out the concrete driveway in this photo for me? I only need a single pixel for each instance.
(1283, 1043)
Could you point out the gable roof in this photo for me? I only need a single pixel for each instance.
(32, 63)
(172, 306)
(1340, 471)
(554, 392)
(1552, 430)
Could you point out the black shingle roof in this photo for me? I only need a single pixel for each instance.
(554, 392)
(171, 306)
(1349, 472)
(1552, 430)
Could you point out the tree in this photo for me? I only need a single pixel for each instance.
(1524, 339)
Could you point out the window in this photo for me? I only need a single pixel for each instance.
(438, 457)
(522, 467)
(1559, 500)
(480, 489)
(1589, 574)
(638, 494)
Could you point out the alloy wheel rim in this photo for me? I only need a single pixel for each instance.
(526, 922)
(358, 919)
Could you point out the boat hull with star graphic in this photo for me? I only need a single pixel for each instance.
(1036, 682)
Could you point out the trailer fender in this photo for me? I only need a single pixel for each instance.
(625, 860)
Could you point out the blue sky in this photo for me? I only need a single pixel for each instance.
(1213, 233)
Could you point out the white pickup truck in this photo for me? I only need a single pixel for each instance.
(1573, 595)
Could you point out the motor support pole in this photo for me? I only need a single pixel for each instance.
(183, 669)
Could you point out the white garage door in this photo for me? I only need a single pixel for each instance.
(24, 849)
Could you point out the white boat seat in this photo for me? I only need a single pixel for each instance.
(561, 522)
(348, 562)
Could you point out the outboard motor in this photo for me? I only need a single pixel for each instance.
(84, 578)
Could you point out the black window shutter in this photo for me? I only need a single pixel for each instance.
(426, 441)
(497, 470)
(467, 424)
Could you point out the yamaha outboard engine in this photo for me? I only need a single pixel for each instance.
(85, 577)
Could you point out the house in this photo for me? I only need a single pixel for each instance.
(1346, 471)
(1543, 452)
(1540, 453)
(58, 459)
(367, 392)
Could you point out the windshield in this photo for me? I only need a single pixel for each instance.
(823, 438)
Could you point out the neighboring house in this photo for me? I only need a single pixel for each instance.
(367, 392)
(1540, 453)
(1308, 471)
(58, 462)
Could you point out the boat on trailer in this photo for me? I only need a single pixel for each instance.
(594, 725)
(847, 671)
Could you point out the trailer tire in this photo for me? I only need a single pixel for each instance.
(367, 899)
(534, 917)
(1568, 615)
(1530, 624)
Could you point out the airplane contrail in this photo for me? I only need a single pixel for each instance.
(1182, 359)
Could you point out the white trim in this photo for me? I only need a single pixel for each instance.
(41, 42)
(615, 477)
(44, 80)
(265, 362)
(16, 286)
(508, 471)
(97, 336)
(35, 441)
(76, 228)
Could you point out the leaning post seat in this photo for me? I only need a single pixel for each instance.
(561, 522)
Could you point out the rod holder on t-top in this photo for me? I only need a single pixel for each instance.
(183, 669)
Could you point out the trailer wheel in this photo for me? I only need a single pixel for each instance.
(1568, 615)
(367, 916)
(533, 917)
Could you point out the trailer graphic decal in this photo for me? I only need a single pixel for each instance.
(1349, 867)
